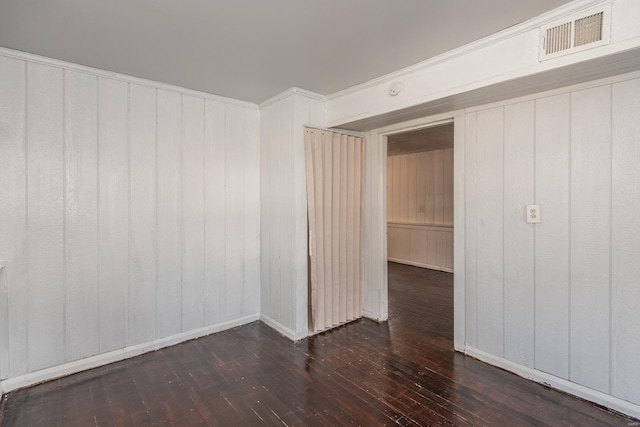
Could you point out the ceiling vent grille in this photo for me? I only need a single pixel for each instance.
(575, 33)
(588, 29)
(558, 38)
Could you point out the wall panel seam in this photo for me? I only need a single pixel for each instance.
(611, 306)
(504, 171)
(570, 249)
(126, 311)
(26, 211)
(535, 199)
(203, 280)
(98, 344)
(64, 213)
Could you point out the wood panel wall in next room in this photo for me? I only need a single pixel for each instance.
(420, 209)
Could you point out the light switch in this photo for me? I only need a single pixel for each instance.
(533, 214)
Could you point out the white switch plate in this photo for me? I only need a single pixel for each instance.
(533, 214)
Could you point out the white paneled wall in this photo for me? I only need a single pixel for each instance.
(130, 212)
(420, 209)
(284, 209)
(625, 240)
(561, 296)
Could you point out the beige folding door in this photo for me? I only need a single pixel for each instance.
(334, 198)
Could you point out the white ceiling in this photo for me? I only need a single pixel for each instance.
(254, 49)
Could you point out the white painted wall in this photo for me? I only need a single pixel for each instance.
(504, 56)
(284, 274)
(130, 213)
(557, 297)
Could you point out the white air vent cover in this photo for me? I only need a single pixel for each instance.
(576, 33)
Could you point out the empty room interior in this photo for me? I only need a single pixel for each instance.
(319, 213)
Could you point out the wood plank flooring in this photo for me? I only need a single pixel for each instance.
(401, 372)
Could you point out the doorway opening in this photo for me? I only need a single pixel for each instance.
(420, 225)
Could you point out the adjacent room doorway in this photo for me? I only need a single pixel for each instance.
(420, 227)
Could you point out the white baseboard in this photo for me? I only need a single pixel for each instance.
(274, 324)
(419, 264)
(552, 381)
(91, 362)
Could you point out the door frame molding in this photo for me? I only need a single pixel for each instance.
(375, 285)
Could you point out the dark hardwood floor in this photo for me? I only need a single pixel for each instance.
(401, 372)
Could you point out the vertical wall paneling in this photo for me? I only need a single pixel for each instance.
(397, 167)
(625, 249)
(438, 187)
(283, 210)
(416, 237)
(430, 188)
(13, 219)
(116, 195)
(490, 184)
(390, 187)
(447, 191)
(421, 187)
(518, 235)
(471, 230)
(404, 190)
(215, 201)
(234, 219)
(569, 281)
(266, 138)
(113, 213)
(142, 214)
(590, 236)
(169, 184)
(412, 195)
(459, 233)
(45, 216)
(552, 235)
(81, 215)
(251, 210)
(374, 228)
(284, 205)
(193, 260)
(267, 178)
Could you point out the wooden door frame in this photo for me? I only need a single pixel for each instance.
(375, 284)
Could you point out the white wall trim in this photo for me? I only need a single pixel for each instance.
(552, 381)
(290, 92)
(10, 53)
(421, 265)
(567, 9)
(279, 327)
(74, 367)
